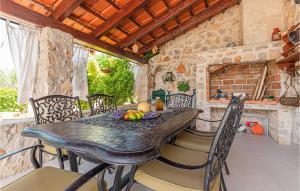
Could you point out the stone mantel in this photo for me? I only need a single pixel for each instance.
(249, 106)
(256, 53)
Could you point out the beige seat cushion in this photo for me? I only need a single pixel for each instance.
(52, 150)
(48, 179)
(161, 177)
(194, 142)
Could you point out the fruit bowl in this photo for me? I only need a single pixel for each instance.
(132, 115)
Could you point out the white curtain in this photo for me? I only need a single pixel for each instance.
(23, 43)
(80, 58)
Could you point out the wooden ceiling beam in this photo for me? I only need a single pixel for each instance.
(191, 23)
(191, 11)
(148, 10)
(132, 19)
(93, 11)
(123, 30)
(165, 17)
(64, 9)
(167, 3)
(19, 11)
(118, 17)
(177, 20)
(77, 20)
(206, 3)
(114, 4)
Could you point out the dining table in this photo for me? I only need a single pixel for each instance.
(104, 139)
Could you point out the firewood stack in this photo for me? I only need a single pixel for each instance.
(261, 87)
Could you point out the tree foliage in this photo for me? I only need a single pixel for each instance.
(119, 82)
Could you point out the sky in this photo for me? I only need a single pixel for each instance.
(6, 63)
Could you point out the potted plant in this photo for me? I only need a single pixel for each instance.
(183, 86)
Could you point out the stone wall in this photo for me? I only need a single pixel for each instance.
(259, 18)
(296, 112)
(11, 140)
(216, 33)
(291, 13)
(55, 67)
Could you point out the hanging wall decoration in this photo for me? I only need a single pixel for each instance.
(135, 48)
(181, 68)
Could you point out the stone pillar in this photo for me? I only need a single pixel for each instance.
(55, 67)
(202, 99)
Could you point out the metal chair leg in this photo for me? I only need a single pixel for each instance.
(60, 158)
(72, 161)
(223, 182)
(40, 154)
(101, 183)
(79, 161)
(131, 180)
(226, 168)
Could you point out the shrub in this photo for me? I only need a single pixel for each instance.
(119, 82)
(8, 101)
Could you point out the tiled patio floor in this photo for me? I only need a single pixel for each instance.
(256, 164)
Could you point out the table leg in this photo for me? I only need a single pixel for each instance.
(101, 182)
(73, 161)
(119, 181)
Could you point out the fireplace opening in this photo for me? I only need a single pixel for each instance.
(259, 81)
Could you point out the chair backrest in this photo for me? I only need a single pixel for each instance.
(56, 108)
(223, 140)
(159, 93)
(179, 100)
(101, 103)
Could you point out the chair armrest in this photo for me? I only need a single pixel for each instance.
(86, 177)
(211, 121)
(179, 165)
(20, 150)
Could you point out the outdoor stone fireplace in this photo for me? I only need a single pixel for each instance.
(244, 64)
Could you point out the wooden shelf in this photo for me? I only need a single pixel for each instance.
(249, 105)
(290, 59)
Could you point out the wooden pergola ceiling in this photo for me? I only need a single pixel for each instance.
(115, 25)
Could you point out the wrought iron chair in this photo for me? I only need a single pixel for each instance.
(198, 140)
(181, 169)
(179, 100)
(53, 179)
(101, 103)
(52, 109)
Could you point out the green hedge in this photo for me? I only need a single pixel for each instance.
(119, 82)
(8, 101)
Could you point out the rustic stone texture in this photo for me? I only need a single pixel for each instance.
(55, 67)
(212, 34)
(11, 140)
(291, 14)
(259, 18)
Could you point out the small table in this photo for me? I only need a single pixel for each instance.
(101, 138)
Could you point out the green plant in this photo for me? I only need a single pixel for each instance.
(84, 105)
(8, 101)
(119, 82)
(150, 54)
(183, 86)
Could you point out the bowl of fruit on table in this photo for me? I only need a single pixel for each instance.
(132, 115)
